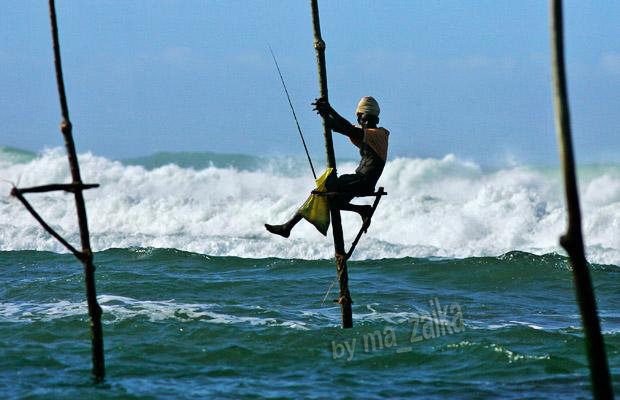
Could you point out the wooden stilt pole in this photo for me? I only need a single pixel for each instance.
(341, 258)
(76, 187)
(572, 241)
(94, 310)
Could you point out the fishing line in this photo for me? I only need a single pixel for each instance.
(293, 110)
(329, 290)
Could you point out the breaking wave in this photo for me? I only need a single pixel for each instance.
(216, 204)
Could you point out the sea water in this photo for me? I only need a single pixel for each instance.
(460, 289)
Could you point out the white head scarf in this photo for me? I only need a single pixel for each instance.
(368, 105)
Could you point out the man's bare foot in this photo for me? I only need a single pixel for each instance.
(366, 213)
(278, 230)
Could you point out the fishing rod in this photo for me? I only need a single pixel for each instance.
(293, 110)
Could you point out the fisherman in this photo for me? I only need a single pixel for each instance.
(372, 142)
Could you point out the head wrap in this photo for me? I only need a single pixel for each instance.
(368, 105)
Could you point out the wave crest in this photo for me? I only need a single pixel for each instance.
(444, 207)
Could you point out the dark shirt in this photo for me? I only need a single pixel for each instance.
(371, 165)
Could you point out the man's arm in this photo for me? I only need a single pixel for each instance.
(337, 122)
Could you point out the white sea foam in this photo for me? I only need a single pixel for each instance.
(119, 308)
(436, 207)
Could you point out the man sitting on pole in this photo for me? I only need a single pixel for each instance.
(372, 142)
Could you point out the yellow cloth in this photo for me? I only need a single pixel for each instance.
(316, 209)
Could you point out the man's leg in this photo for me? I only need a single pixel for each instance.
(363, 211)
(284, 230)
(350, 185)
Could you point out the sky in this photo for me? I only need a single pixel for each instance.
(471, 78)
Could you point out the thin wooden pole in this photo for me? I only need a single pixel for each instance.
(18, 194)
(344, 299)
(572, 240)
(94, 310)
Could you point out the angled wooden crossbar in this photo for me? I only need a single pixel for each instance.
(76, 187)
(366, 223)
(15, 192)
(54, 187)
(334, 194)
(377, 195)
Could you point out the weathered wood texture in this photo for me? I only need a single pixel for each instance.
(572, 240)
(94, 310)
(76, 187)
(344, 298)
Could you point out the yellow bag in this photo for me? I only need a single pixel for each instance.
(316, 209)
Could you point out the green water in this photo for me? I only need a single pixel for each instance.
(185, 325)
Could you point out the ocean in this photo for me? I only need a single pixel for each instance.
(460, 288)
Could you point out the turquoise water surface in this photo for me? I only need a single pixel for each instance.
(186, 325)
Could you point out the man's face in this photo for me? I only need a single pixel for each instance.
(360, 118)
(363, 119)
